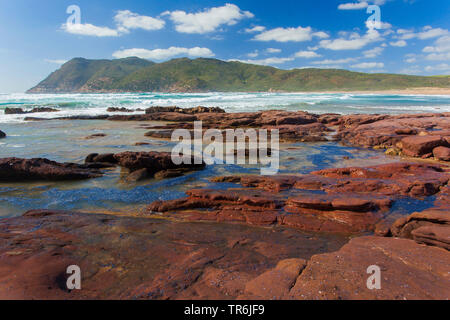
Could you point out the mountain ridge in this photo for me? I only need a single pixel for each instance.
(133, 74)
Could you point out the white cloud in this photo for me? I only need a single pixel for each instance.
(399, 43)
(429, 33)
(426, 33)
(321, 35)
(440, 49)
(253, 54)
(334, 62)
(361, 4)
(438, 56)
(265, 62)
(369, 65)
(442, 68)
(273, 50)
(163, 54)
(55, 61)
(127, 20)
(208, 20)
(255, 29)
(379, 25)
(372, 53)
(307, 54)
(353, 6)
(414, 70)
(410, 58)
(90, 30)
(355, 41)
(289, 34)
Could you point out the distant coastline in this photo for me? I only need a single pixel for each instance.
(202, 75)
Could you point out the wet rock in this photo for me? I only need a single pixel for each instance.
(442, 153)
(153, 161)
(2, 134)
(355, 199)
(173, 173)
(256, 207)
(138, 175)
(43, 109)
(101, 158)
(34, 110)
(95, 136)
(194, 110)
(409, 271)
(15, 169)
(116, 109)
(14, 111)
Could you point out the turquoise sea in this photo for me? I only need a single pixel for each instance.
(64, 141)
(94, 104)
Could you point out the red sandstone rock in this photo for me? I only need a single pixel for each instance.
(276, 283)
(152, 161)
(126, 257)
(417, 146)
(431, 226)
(442, 153)
(15, 169)
(408, 271)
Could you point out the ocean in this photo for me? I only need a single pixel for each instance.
(344, 103)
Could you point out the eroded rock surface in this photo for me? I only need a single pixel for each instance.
(408, 271)
(349, 199)
(138, 258)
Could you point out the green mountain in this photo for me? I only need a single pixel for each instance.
(83, 75)
(204, 75)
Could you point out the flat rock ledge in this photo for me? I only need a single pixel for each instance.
(131, 257)
(16, 169)
(346, 200)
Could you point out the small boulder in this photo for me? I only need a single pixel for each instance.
(2, 134)
(417, 146)
(442, 153)
(14, 111)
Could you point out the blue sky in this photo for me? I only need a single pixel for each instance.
(412, 37)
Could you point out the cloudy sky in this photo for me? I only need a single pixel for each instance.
(412, 36)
